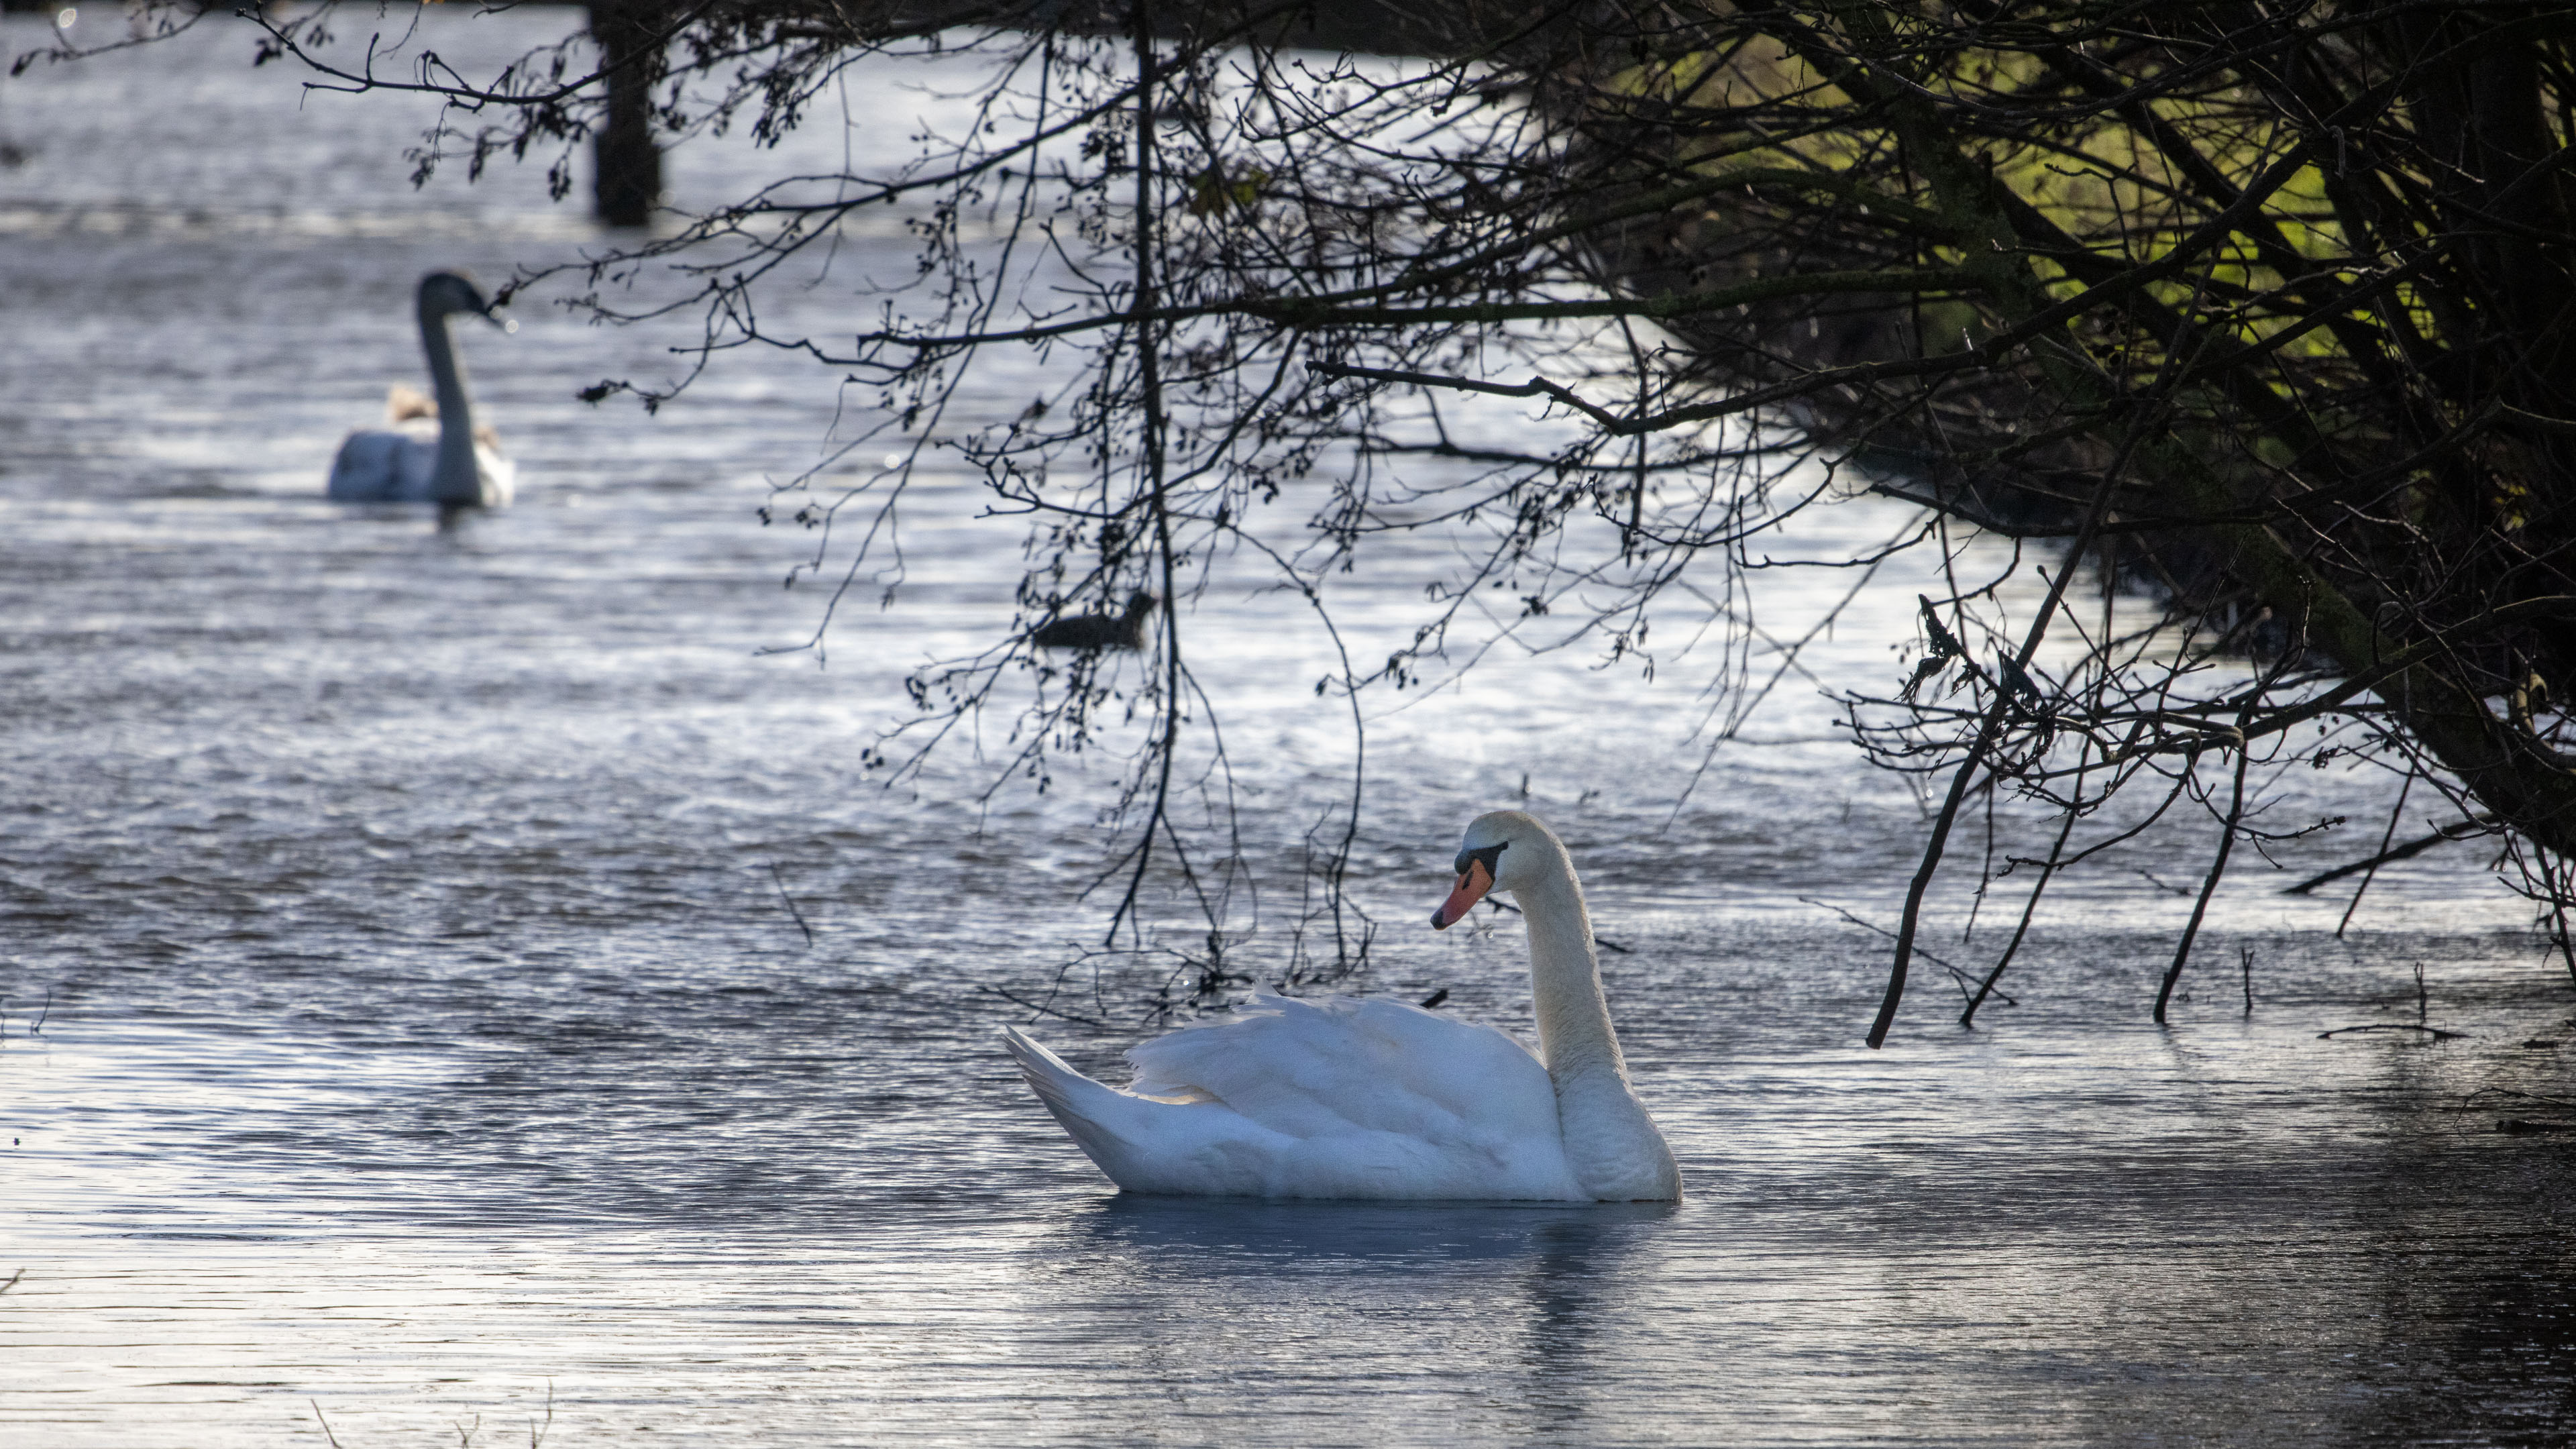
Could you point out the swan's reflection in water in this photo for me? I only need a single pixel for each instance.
(1203, 1238)
(1571, 1283)
(1434, 1301)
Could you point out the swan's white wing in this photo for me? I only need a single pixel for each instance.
(1337, 1098)
(1311, 1067)
(1150, 1146)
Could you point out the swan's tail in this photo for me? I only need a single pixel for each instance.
(1048, 1075)
(1078, 1102)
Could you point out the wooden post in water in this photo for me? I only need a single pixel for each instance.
(626, 183)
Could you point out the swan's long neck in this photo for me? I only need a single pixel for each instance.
(456, 480)
(1574, 1032)
(1610, 1142)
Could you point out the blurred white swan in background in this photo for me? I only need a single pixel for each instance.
(431, 451)
(1347, 1098)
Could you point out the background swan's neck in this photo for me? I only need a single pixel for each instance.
(1574, 1032)
(456, 479)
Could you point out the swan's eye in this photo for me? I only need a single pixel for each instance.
(1490, 855)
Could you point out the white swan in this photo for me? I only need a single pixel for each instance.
(1344, 1098)
(413, 459)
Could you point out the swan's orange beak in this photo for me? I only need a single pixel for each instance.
(1471, 888)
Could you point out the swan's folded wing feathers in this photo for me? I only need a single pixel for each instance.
(1339, 1099)
(1145, 1145)
(1330, 1067)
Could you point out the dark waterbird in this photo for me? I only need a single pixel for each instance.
(1099, 631)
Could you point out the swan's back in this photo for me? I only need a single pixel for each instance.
(387, 465)
(1313, 1066)
(400, 465)
(1332, 1098)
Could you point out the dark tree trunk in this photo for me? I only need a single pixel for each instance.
(627, 183)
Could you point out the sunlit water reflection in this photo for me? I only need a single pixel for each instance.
(424, 1039)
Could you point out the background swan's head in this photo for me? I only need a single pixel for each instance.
(445, 293)
(1504, 850)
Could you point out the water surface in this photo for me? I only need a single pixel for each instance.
(425, 1043)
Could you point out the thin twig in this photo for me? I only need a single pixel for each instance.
(791, 905)
(2559, 892)
(1149, 377)
(2456, 830)
(1961, 977)
(1600, 941)
(2370, 871)
(1040, 1006)
(2469, 1102)
(326, 1425)
(2209, 884)
(2047, 872)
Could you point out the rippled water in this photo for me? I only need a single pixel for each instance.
(424, 1043)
